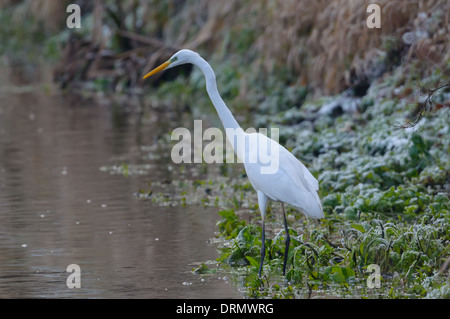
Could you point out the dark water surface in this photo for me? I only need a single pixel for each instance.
(57, 207)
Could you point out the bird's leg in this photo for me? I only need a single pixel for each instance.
(286, 242)
(263, 248)
(262, 202)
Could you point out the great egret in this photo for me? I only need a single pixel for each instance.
(290, 182)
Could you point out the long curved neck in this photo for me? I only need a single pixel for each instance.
(224, 113)
(233, 132)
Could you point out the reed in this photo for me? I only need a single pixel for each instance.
(324, 44)
(46, 14)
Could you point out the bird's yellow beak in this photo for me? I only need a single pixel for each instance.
(156, 70)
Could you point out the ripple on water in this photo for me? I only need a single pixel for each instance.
(57, 207)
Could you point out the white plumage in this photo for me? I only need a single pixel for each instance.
(273, 171)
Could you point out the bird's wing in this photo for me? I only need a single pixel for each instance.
(301, 175)
(267, 152)
(290, 181)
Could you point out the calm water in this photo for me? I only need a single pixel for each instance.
(57, 207)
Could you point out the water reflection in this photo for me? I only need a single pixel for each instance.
(58, 208)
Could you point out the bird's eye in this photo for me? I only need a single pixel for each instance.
(174, 59)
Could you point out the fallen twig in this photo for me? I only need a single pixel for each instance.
(427, 105)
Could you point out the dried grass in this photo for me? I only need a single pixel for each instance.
(323, 41)
(324, 44)
(47, 13)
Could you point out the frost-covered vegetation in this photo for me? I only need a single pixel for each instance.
(343, 97)
(384, 189)
(385, 194)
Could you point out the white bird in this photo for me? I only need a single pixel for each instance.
(281, 177)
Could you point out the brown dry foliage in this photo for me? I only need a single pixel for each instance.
(51, 13)
(324, 44)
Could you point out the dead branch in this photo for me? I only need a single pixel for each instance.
(422, 108)
(154, 42)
